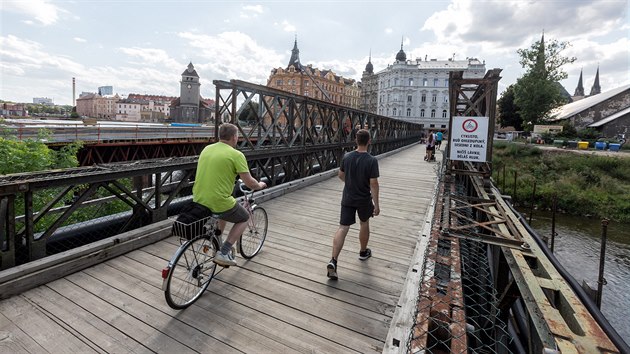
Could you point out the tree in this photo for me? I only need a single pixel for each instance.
(508, 110)
(249, 112)
(536, 93)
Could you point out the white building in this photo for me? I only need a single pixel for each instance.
(43, 100)
(418, 90)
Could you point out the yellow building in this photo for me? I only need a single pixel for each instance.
(307, 81)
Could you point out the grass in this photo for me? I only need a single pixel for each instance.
(585, 185)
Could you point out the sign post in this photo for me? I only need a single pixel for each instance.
(469, 139)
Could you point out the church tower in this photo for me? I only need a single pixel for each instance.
(596, 88)
(579, 90)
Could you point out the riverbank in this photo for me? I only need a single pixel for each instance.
(592, 184)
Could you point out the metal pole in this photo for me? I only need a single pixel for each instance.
(554, 207)
(531, 207)
(514, 188)
(503, 189)
(602, 260)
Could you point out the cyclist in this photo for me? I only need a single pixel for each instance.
(217, 168)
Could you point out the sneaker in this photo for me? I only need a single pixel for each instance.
(363, 255)
(224, 260)
(331, 269)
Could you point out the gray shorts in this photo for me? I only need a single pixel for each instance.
(235, 215)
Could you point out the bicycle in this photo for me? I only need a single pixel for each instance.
(191, 268)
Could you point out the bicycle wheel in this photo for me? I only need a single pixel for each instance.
(191, 272)
(254, 236)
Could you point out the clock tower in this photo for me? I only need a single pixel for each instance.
(190, 87)
(190, 107)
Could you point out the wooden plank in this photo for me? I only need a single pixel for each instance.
(41, 328)
(14, 340)
(261, 326)
(16, 281)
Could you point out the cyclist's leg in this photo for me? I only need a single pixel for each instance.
(239, 216)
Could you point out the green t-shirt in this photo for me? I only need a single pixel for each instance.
(217, 168)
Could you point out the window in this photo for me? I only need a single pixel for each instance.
(411, 81)
(432, 126)
(389, 96)
(436, 82)
(394, 111)
(443, 125)
(278, 82)
(306, 83)
(408, 112)
(408, 98)
(425, 82)
(444, 114)
(446, 82)
(306, 93)
(396, 82)
(423, 98)
(434, 98)
(422, 112)
(445, 99)
(433, 113)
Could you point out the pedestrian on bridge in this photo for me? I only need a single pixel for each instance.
(218, 166)
(359, 172)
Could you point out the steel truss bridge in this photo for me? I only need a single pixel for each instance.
(487, 283)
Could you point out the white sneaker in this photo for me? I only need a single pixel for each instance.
(224, 260)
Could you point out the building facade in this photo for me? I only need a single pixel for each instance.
(415, 90)
(43, 101)
(307, 81)
(105, 90)
(96, 106)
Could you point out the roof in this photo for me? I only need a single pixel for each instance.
(610, 118)
(573, 108)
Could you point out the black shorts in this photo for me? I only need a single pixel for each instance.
(235, 215)
(348, 214)
(430, 148)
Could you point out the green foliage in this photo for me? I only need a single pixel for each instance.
(18, 156)
(536, 92)
(508, 110)
(583, 184)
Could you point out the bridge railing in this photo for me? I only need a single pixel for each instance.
(42, 213)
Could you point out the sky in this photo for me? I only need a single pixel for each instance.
(143, 46)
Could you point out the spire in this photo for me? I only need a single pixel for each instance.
(401, 56)
(369, 68)
(596, 88)
(540, 58)
(295, 57)
(579, 90)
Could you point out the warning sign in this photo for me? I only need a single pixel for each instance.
(469, 139)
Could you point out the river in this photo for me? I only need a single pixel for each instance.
(577, 247)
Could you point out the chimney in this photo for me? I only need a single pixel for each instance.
(73, 93)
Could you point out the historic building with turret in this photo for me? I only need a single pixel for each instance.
(579, 90)
(415, 90)
(321, 84)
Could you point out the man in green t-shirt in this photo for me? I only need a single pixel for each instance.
(217, 168)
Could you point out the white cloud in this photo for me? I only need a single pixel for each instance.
(251, 11)
(41, 10)
(231, 55)
(253, 8)
(389, 30)
(150, 56)
(79, 39)
(287, 27)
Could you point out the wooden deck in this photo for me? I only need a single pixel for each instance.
(279, 302)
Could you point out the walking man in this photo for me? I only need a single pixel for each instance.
(359, 171)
